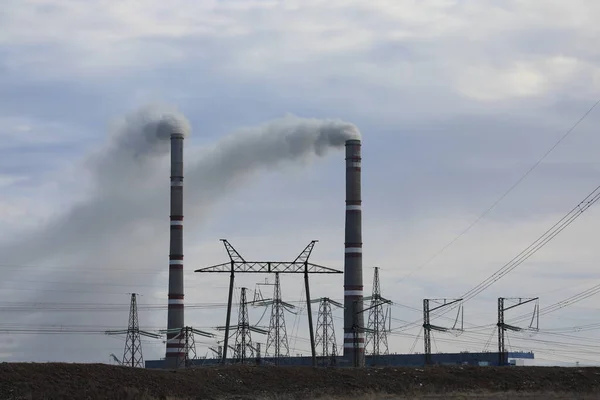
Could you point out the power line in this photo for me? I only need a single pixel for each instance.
(546, 237)
(95, 307)
(580, 296)
(504, 195)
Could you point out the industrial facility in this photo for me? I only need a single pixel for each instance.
(364, 345)
(388, 360)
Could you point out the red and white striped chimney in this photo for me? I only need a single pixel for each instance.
(354, 336)
(175, 354)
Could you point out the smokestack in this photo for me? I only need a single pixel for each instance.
(175, 356)
(354, 336)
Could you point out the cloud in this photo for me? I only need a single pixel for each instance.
(326, 40)
(117, 220)
(456, 101)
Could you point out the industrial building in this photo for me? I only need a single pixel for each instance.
(389, 360)
(355, 337)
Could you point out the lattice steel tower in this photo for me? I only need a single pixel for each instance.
(132, 355)
(277, 342)
(376, 333)
(325, 334)
(243, 340)
(133, 342)
(187, 343)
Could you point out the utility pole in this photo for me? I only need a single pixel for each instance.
(300, 265)
(428, 327)
(503, 327)
(132, 355)
(325, 333)
(376, 334)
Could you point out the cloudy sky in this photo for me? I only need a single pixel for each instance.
(455, 99)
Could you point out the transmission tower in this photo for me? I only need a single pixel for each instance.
(132, 355)
(277, 343)
(300, 265)
(187, 343)
(376, 332)
(243, 340)
(325, 334)
(243, 350)
(503, 327)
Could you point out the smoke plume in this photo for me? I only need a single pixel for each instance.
(130, 177)
(124, 220)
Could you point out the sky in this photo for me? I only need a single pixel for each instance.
(455, 101)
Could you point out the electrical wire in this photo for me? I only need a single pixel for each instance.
(504, 195)
(524, 255)
(533, 248)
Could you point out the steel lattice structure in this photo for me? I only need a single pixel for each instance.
(132, 355)
(376, 333)
(299, 266)
(277, 341)
(187, 343)
(243, 350)
(243, 339)
(325, 334)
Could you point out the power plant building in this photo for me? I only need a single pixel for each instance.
(388, 360)
(354, 329)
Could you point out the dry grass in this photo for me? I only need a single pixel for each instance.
(95, 382)
(460, 396)
(135, 394)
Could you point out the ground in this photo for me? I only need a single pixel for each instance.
(99, 381)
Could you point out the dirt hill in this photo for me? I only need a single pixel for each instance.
(99, 381)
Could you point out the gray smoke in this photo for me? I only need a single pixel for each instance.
(123, 223)
(134, 144)
(241, 155)
(130, 177)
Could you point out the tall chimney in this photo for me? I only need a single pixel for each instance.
(354, 336)
(175, 355)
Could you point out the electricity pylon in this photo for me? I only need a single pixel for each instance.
(243, 340)
(277, 342)
(376, 332)
(132, 355)
(187, 343)
(325, 334)
(300, 265)
(243, 350)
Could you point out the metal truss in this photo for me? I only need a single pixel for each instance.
(299, 265)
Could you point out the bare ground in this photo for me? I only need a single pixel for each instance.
(99, 381)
